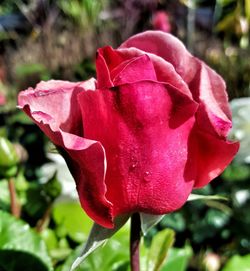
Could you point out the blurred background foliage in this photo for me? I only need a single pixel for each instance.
(42, 225)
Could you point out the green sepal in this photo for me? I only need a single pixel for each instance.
(148, 221)
(8, 155)
(193, 197)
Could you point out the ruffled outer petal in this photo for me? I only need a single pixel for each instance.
(144, 128)
(213, 118)
(209, 156)
(54, 107)
(207, 87)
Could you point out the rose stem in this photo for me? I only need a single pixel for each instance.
(135, 236)
(14, 205)
(44, 221)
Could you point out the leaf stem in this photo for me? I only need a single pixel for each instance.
(14, 204)
(44, 221)
(135, 236)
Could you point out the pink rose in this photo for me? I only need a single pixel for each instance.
(151, 128)
(160, 21)
(2, 99)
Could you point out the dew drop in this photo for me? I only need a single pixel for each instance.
(146, 176)
(40, 93)
(133, 166)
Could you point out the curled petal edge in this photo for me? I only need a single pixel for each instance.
(93, 198)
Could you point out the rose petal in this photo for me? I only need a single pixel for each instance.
(139, 69)
(54, 107)
(207, 87)
(134, 69)
(211, 92)
(62, 99)
(209, 156)
(107, 59)
(167, 47)
(144, 128)
(110, 62)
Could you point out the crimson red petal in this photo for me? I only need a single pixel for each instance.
(138, 69)
(107, 69)
(54, 107)
(209, 156)
(207, 87)
(144, 128)
(213, 117)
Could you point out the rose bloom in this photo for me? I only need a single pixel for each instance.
(140, 137)
(2, 99)
(160, 21)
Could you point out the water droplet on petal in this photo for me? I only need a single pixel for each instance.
(146, 176)
(133, 166)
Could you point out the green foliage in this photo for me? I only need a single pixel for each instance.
(159, 248)
(21, 247)
(8, 6)
(178, 259)
(232, 18)
(112, 256)
(25, 70)
(5, 196)
(238, 262)
(71, 220)
(98, 237)
(38, 197)
(83, 12)
(236, 173)
(50, 239)
(247, 9)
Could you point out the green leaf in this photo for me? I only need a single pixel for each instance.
(159, 248)
(148, 221)
(226, 23)
(69, 216)
(98, 237)
(21, 118)
(36, 202)
(247, 9)
(21, 246)
(8, 172)
(62, 251)
(238, 262)
(236, 172)
(175, 221)
(25, 70)
(53, 187)
(17, 260)
(49, 238)
(178, 259)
